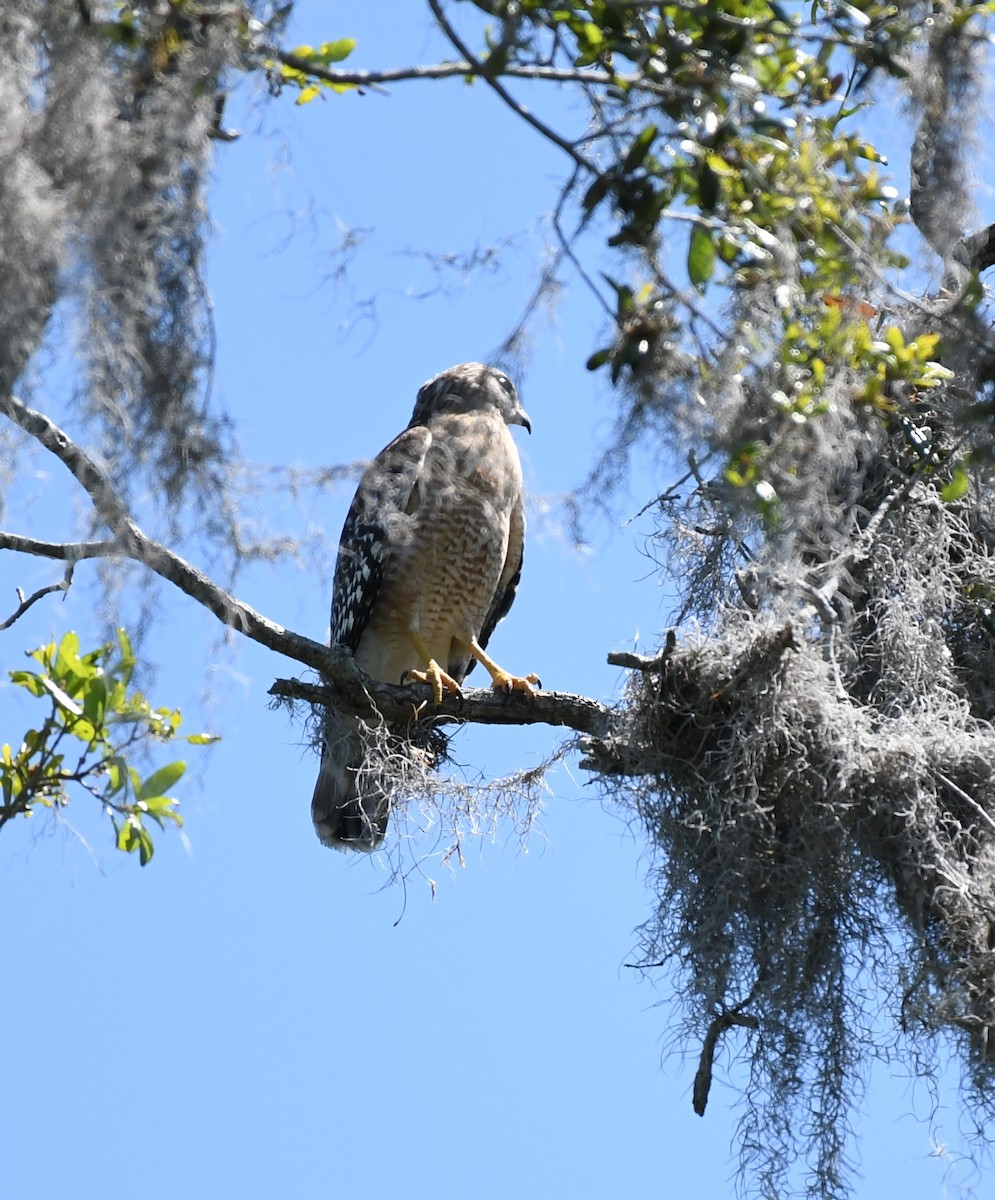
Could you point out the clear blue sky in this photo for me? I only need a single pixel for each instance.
(253, 1015)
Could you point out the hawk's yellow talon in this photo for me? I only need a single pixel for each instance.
(438, 678)
(508, 683)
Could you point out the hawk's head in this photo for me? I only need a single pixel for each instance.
(470, 387)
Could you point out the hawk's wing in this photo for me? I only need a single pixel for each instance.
(384, 492)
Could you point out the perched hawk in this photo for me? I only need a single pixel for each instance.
(429, 560)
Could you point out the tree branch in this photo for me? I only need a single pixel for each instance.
(973, 254)
(703, 1077)
(479, 706)
(93, 480)
(479, 69)
(130, 542)
(475, 69)
(26, 602)
(71, 552)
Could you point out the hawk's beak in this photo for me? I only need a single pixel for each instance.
(522, 418)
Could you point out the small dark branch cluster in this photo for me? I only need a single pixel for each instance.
(977, 250)
(703, 1076)
(685, 710)
(972, 255)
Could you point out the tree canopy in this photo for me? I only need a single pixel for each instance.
(810, 750)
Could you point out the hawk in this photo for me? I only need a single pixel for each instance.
(429, 562)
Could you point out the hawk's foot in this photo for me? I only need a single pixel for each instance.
(439, 679)
(505, 682)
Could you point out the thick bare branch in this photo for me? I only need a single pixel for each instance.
(972, 255)
(479, 706)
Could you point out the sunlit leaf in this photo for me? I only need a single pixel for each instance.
(957, 488)
(701, 256)
(159, 782)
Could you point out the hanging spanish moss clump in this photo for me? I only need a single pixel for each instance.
(110, 116)
(811, 750)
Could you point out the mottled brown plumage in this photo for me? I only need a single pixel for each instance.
(429, 560)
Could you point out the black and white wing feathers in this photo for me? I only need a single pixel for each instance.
(384, 491)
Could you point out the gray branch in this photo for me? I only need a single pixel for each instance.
(27, 601)
(466, 69)
(356, 692)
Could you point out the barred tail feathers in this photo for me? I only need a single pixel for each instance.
(350, 806)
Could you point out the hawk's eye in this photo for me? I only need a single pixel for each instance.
(505, 383)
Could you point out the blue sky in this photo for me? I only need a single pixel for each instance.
(253, 1015)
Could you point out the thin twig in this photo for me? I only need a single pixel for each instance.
(26, 602)
(968, 799)
(643, 662)
(479, 69)
(450, 70)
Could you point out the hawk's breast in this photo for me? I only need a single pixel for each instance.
(448, 550)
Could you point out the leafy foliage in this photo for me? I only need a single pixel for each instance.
(94, 726)
(302, 77)
(813, 761)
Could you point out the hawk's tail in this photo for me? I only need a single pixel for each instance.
(350, 805)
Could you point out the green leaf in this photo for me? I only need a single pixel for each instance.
(640, 147)
(126, 661)
(117, 774)
(593, 34)
(202, 739)
(159, 782)
(701, 257)
(67, 656)
(333, 52)
(598, 359)
(161, 810)
(709, 187)
(956, 488)
(127, 834)
(595, 193)
(29, 680)
(95, 699)
(145, 847)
